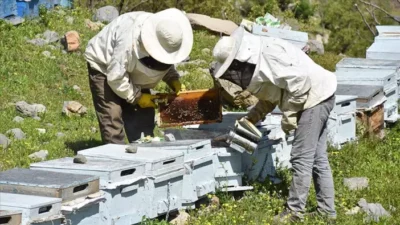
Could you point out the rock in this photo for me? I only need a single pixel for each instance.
(183, 73)
(18, 119)
(60, 134)
(106, 14)
(93, 129)
(374, 211)
(30, 110)
(215, 201)
(70, 19)
(206, 51)
(319, 38)
(76, 88)
(93, 25)
(49, 125)
(47, 54)
(80, 159)
(326, 38)
(196, 62)
(291, 6)
(181, 219)
(353, 211)
(37, 118)
(40, 155)
(37, 42)
(131, 149)
(316, 46)
(4, 141)
(51, 36)
(71, 107)
(17, 133)
(356, 183)
(169, 137)
(71, 41)
(41, 130)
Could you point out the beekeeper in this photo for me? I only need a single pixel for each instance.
(280, 74)
(126, 59)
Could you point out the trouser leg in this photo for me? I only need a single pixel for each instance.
(311, 124)
(108, 108)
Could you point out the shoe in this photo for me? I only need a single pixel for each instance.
(287, 216)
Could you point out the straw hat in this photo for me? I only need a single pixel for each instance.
(167, 36)
(225, 51)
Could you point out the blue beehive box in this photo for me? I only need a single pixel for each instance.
(8, 8)
(31, 8)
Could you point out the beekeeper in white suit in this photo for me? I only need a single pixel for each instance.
(126, 59)
(280, 74)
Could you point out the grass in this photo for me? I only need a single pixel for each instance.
(26, 74)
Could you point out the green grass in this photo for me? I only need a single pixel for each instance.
(25, 74)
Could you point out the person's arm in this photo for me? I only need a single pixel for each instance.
(259, 111)
(117, 76)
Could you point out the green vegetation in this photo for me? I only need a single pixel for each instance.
(26, 74)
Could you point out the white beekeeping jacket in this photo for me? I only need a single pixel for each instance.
(115, 51)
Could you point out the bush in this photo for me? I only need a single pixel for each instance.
(328, 60)
(304, 10)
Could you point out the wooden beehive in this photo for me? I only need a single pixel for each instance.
(191, 107)
(373, 120)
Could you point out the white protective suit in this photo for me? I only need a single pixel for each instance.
(115, 52)
(285, 77)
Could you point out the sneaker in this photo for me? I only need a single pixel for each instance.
(287, 216)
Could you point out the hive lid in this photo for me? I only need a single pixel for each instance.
(361, 91)
(175, 145)
(345, 98)
(362, 63)
(26, 201)
(92, 164)
(114, 151)
(47, 179)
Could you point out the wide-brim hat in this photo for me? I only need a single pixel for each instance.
(227, 47)
(157, 46)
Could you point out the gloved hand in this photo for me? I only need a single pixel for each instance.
(240, 97)
(146, 100)
(289, 121)
(177, 86)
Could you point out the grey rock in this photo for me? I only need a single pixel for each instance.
(37, 42)
(30, 110)
(17, 133)
(319, 38)
(169, 137)
(40, 155)
(80, 159)
(106, 14)
(206, 51)
(316, 46)
(69, 19)
(356, 183)
(374, 211)
(51, 36)
(37, 118)
(47, 54)
(41, 130)
(131, 149)
(49, 125)
(4, 141)
(60, 134)
(18, 119)
(76, 88)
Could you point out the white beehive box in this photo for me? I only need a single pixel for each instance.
(122, 182)
(35, 209)
(10, 217)
(348, 73)
(385, 45)
(85, 210)
(228, 121)
(166, 192)
(157, 161)
(198, 180)
(297, 38)
(342, 121)
(368, 96)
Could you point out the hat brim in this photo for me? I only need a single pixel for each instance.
(153, 46)
(220, 68)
